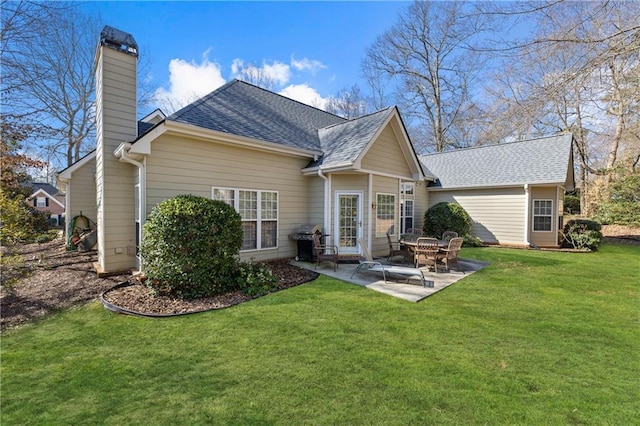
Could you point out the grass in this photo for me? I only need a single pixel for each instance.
(534, 338)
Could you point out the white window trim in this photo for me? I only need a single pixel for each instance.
(380, 234)
(533, 215)
(407, 197)
(258, 220)
(44, 201)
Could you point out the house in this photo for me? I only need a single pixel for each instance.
(513, 192)
(46, 198)
(280, 163)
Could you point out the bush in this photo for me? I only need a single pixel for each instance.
(582, 234)
(190, 246)
(618, 213)
(256, 279)
(20, 223)
(620, 205)
(571, 204)
(447, 217)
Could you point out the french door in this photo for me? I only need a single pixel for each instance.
(348, 221)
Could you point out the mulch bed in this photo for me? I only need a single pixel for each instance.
(48, 279)
(138, 299)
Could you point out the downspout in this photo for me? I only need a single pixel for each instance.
(142, 178)
(67, 204)
(370, 211)
(327, 205)
(527, 215)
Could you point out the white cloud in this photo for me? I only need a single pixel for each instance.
(305, 94)
(307, 64)
(188, 81)
(277, 72)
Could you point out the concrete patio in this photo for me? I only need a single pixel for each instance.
(397, 286)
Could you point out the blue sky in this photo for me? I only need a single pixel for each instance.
(312, 49)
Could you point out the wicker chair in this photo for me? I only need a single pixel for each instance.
(413, 234)
(395, 249)
(448, 235)
(450, 255)
(325, 253)
(426, 253)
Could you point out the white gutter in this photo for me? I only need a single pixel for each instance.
(122, 154)
(67, 200)
(371, 213)
(527, 214)
(327, 205)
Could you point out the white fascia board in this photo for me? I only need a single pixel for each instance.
(143, 145)
(342, 167)
(181, 129)
(510, 185)
(66, 173)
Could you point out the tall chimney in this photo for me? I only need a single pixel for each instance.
(116, 67)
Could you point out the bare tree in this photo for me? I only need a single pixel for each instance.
(48, 52)
(579, 72)
(430, 57)
(349, 103)
(51, 73)
(257, 76)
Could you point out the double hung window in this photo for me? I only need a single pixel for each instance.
(385, 214)
(542, 215)
(407, 197)
(259, 214)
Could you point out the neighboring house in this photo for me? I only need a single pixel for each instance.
(514, 192)
(279, 162)
(46, 198)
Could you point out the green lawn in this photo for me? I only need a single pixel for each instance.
(534, 338)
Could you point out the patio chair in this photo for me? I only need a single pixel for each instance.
(371, 265)
(450, 255)
(448, 235)
(325, 253)
(396, 249)
(426, 252)
(413, 234)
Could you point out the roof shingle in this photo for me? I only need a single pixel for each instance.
(534, 161)
(243, 109)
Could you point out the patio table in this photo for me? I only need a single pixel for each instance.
(442, 244)
(412, 244)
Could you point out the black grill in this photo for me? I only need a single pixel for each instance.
(303, 235)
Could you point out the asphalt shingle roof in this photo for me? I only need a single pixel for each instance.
(243, 109)
(534, 161)
(343, 143)
(48, 188)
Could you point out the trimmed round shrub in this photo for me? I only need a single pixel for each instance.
(447, 217)
(582, 234)
(190, 247)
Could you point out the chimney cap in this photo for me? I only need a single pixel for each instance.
(118, 40)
